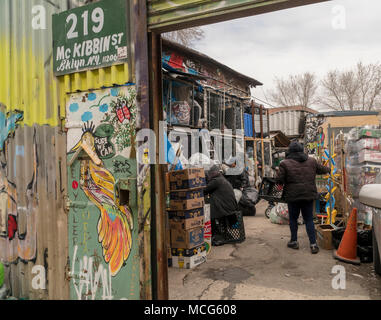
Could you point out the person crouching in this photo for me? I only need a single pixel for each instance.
(223, 203)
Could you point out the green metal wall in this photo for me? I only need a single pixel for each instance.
(170, 15)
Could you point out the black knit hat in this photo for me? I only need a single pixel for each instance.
(295, 146)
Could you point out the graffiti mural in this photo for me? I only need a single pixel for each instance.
(17, 216)
(8, 124)
(103, 231)
(314, 136)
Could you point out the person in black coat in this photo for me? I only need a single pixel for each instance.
(297, 173)
(222, 201)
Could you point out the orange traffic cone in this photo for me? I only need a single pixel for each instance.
(347, 251)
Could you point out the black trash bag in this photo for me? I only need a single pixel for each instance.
(247, 211)
(249, 197)
(365, 253)
(364, 238)
(337, 235)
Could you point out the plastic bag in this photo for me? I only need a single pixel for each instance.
(249, 197)
(238, 195)
(281, 216)
(274, 218)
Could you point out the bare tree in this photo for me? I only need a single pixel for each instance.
(186, 37)
(369, 78)
(297, 90)
(356, 89)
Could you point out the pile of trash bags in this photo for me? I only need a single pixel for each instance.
(364, 243)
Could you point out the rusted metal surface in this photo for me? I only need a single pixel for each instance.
(170, 15)
(34, 248)
(33, 242)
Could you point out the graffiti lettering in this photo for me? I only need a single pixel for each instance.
(104, 147)
(86, 234)
(122, 167)
(75, 233)
(86, 281)
(17, 223)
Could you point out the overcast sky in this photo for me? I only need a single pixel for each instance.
(293, 41)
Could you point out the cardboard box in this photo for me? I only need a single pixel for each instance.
(178, 205)
(187, 239)
(187, 194)
(185, 224)
(187, 179)
(188, 252)
(186, 214)
(324, 236)
(188, 262)
(366, 155)
(186, 199)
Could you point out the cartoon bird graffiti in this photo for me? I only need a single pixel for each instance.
(115, 223)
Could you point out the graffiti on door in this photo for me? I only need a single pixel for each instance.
(102, 191)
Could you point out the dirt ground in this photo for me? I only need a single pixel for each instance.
(263, 268)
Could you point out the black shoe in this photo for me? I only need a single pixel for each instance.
(314, 248)
(217, 243)
(293, 244)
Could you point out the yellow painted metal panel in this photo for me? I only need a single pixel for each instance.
(27, 82)
(34, 146)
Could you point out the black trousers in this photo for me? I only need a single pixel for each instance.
(294, 209)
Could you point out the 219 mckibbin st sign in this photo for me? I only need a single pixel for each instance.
(91, 37)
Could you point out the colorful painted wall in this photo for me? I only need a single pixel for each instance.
(34, 227)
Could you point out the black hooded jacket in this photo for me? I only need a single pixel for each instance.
(298, 172)
(222, 198)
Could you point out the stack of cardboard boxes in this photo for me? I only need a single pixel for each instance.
(186, 217)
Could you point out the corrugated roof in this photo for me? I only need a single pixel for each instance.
(293, 108)
(196, 54)
(351, 113)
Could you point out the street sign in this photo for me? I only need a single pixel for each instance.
(91, 37)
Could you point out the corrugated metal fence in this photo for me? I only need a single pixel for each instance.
(33, 221)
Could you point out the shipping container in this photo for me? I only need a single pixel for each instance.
(289, 120)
